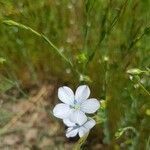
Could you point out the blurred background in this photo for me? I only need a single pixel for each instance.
(102, 39)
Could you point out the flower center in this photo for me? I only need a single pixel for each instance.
(77, 106)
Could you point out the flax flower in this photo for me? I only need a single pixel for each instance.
(75, 106)
(74, 128)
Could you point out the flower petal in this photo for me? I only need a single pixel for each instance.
(78, 117)
(83, 131)
(71, 132)
(66, 95)
(86, 127)
(82, 93)
(90, 106)
(90, 123)
(62, 111)
(68, 123)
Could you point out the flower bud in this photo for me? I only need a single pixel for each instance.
(134, 71)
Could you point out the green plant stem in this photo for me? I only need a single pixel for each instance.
(13, 23)
(125, 129)
(136, 40)
(88, 8)
(148, 143)
(106, 33)
(144, 89)
(80, 142)
(54, 47)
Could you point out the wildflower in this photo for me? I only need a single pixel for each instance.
(75, 106)
(75, 128)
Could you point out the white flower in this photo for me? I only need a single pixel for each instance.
(75, 106)
(75, 129)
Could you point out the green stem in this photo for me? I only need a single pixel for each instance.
(107, 32)
(13, 23)
(146, 91)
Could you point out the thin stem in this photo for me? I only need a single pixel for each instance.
(136, 40)
(148, 143)
(54, 47)
(106, 33)
(146, 91)
(13, 23)
(88, 8)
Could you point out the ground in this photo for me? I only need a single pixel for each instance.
(30, 123)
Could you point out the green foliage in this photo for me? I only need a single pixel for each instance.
(104, 43)
(6, 84)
